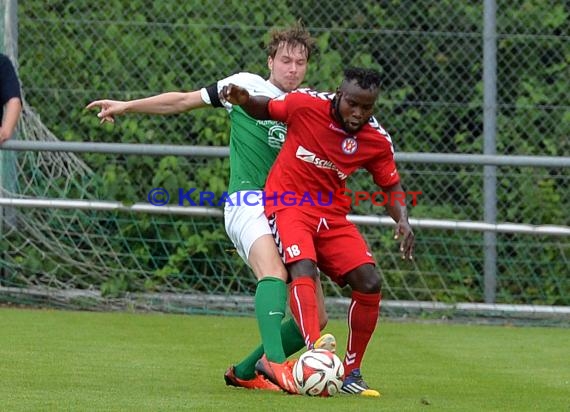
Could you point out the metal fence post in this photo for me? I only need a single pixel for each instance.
(490, 148)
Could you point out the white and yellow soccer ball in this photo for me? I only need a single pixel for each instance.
(318, 372)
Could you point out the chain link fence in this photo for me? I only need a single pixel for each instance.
(431, 58)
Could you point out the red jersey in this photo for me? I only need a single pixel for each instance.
(318, 155)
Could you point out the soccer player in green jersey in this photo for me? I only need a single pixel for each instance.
(254, 146)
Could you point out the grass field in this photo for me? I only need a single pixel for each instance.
(83, 361)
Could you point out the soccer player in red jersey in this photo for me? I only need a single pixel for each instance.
(329, 136)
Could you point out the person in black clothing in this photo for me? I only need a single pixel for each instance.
(10, 98)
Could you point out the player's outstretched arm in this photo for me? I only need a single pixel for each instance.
(256, 106)
(396, 208)
(165, 103)
(11, 115)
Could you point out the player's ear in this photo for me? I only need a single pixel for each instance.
(270, 62)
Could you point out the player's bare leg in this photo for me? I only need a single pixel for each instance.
(264, 259)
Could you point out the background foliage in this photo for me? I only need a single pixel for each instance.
(430, 55)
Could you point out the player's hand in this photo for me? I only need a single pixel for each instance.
(108, 109)
(404, 231)
(234, 94)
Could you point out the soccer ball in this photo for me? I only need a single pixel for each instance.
(318, 372)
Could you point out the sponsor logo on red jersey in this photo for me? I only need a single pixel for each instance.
(310, 157)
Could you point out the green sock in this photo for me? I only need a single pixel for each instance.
(270, 302)
(292, 337)
(292, 343)
(246, 368)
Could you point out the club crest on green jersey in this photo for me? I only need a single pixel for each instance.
(276, 135)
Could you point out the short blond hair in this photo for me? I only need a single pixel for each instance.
(292, 37)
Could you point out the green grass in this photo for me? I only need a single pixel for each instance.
(83, 361)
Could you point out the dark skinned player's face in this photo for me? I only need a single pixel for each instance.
(355, 105)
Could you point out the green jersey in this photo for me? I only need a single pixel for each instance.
(254, 144)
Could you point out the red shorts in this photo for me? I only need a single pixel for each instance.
(333, 242)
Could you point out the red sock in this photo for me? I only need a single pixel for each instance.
(303, 303)
(362, 318)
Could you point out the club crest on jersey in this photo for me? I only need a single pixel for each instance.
(276, 135)
(349, 145)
